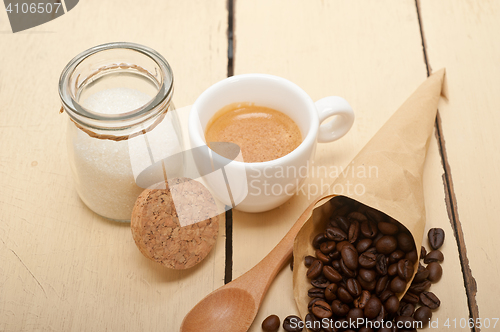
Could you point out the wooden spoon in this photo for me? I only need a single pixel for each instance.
(233, 307)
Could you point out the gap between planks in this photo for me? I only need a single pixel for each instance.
(451, 200)
(228, 272)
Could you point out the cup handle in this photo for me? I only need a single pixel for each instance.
(338, 126)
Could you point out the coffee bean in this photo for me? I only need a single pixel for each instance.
(382, 284)
(381, 265)
(369, 229)
(381, 315)
(392, 304)
(367, 260)
(271, 324)
(423, 252)
(397, 285)
(377, 238)
(313, 324)
(392, 270)
(405, 269)
(343, 223)
(310, 304)
(343, 244)
(386, 245)
(407, 310)
(422, 273)
(335, 234)
(336, 264)
(331, 274)
(322, 257)
(372, 307)
(376, 215)
(386, 295)
(321, 310)
(353, 287)
(308, 260)
(292, 323)
(339, 309)
(423, 314)
(353, 315)
(435, 271)
(344, 295)
(361, 301)
(388, 228)
(353, 231)
(436, 238)
(328, 247)
(405, 242)
(412, 256)
(396, 255)
(430, 300)
(372, 250)
(350, 257)
(316, 292)
(346, 273)
(315, 269)
(411, 298)
(369, 286)
(357, 216)
(363, 245)
(331, 292)
(420, 287)
(367, 275)
(318, 239)
(434, 256)
(365, 329)
(334, 255)
(320, 282)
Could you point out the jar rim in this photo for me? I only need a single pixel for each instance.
(86, 117)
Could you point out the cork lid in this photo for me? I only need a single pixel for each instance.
(164, 236)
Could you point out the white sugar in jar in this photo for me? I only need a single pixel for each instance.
(121, 124)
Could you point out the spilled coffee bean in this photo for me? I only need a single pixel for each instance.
(271, 324)
(435, 271)
(291, 324)
(434, 256)
(436, 238)
(430, 300)
(423, 314)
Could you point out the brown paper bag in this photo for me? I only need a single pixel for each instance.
(398, 151)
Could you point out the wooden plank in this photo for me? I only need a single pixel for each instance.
(462, 36)
(370, 54)
(64, 268)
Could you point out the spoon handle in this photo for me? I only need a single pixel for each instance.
(260, 277)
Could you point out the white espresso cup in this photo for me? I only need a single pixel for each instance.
(262, 186)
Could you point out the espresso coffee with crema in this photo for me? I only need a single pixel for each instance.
(262, 133)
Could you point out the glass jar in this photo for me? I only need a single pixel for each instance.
(123, 132)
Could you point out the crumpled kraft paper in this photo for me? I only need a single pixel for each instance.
(398, 150)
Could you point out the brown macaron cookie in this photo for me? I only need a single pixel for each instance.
(173, 240)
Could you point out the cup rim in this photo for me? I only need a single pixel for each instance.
(198, 139)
